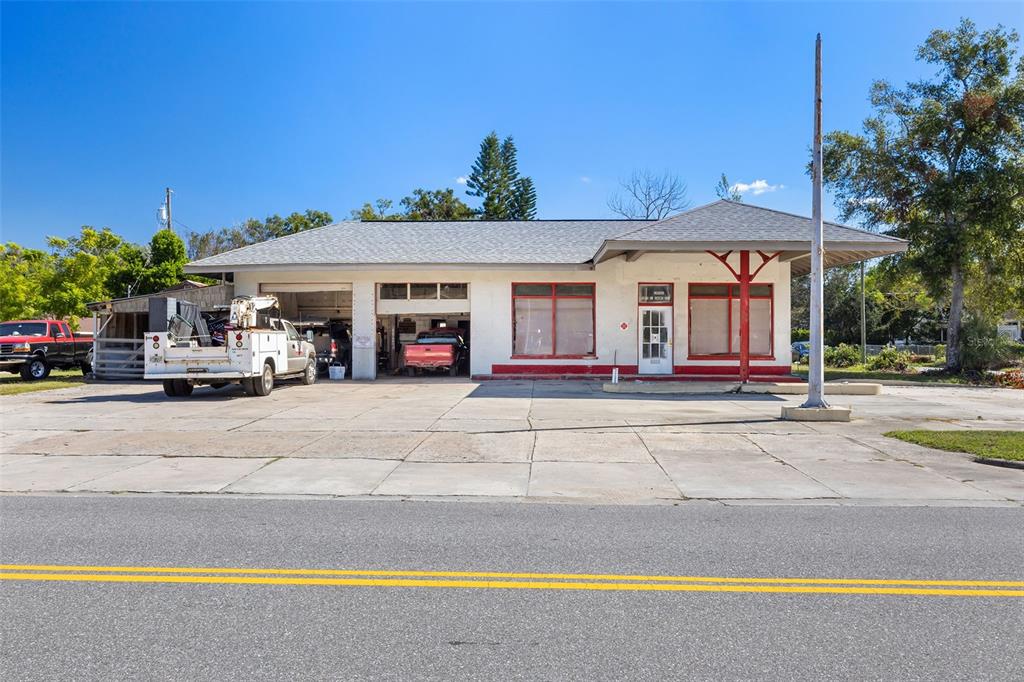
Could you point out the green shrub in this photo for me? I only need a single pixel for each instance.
(799, 334)
(940, 352)
(843, 355)
(890, 359)
(982, 347)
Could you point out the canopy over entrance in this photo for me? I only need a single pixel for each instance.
(732, 226)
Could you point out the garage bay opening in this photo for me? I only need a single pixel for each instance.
(322, 312)
(423, 328)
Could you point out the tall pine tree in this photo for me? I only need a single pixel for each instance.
(524, 199)
(495, 178)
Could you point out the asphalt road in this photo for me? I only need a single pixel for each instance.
(215, 630)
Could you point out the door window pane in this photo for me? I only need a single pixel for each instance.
(533, 330)
(422, 292)
(574, 322)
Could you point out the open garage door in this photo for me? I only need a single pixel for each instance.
(406, 310)
(324, 309)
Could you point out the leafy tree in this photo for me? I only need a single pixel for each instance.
(22, 276)
(422, 204)
(724, 190)
(941, 163)
(649, 196)
(166, 265)
(439, 204)
(378, 210)
(495, 178)
(897, 305)
(253, 231)
(80, 267)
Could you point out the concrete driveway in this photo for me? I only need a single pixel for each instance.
(540, 440)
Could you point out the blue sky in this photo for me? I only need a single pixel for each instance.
(252, 109)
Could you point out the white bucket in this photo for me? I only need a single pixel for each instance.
(336, 372)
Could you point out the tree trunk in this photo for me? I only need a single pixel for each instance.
(956, 313)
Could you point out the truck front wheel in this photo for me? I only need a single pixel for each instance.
(35, 369)
(309, 375)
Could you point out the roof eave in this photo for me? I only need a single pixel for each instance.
(614, 247)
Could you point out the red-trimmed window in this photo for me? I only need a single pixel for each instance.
(715, 320)
(553, 320)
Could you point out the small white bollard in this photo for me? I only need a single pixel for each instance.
(615, 375)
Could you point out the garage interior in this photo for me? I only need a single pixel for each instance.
(394, 331)
(323, 308)
(405, 310)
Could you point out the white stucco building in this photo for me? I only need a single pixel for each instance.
(669, 298)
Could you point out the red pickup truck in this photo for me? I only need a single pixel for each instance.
(437, 349)
(34, 347)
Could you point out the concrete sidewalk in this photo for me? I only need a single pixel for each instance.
(519, 440)
(613, 467)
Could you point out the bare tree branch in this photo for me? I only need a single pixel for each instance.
(649, 196)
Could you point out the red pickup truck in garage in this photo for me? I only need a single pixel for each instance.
(439, 349)
(34, 347)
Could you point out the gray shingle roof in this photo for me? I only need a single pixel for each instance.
(465, 242)
(734, 221)
(535, 242)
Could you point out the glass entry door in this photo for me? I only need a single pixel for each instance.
(655, 340)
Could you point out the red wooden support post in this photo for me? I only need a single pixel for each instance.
(744, 316)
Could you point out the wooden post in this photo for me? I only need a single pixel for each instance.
(744, 316)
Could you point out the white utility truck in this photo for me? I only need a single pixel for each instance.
(258, 348)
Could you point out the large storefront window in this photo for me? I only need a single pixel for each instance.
(715, 320)
(553, 320)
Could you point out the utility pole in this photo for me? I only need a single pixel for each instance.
(863, 320)
(168, 205)
(816, 370)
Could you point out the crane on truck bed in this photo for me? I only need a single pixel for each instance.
(245, 310)
(252, 355)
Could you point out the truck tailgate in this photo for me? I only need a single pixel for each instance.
(429, 354)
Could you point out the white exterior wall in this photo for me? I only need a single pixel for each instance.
(490, 304)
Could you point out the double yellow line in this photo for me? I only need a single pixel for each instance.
(496, 580)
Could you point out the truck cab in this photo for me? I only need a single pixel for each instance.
(34, 347)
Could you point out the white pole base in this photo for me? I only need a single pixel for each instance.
(832, 413)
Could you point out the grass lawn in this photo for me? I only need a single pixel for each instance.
(992, 444)
(13, 384)
(862, 373)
